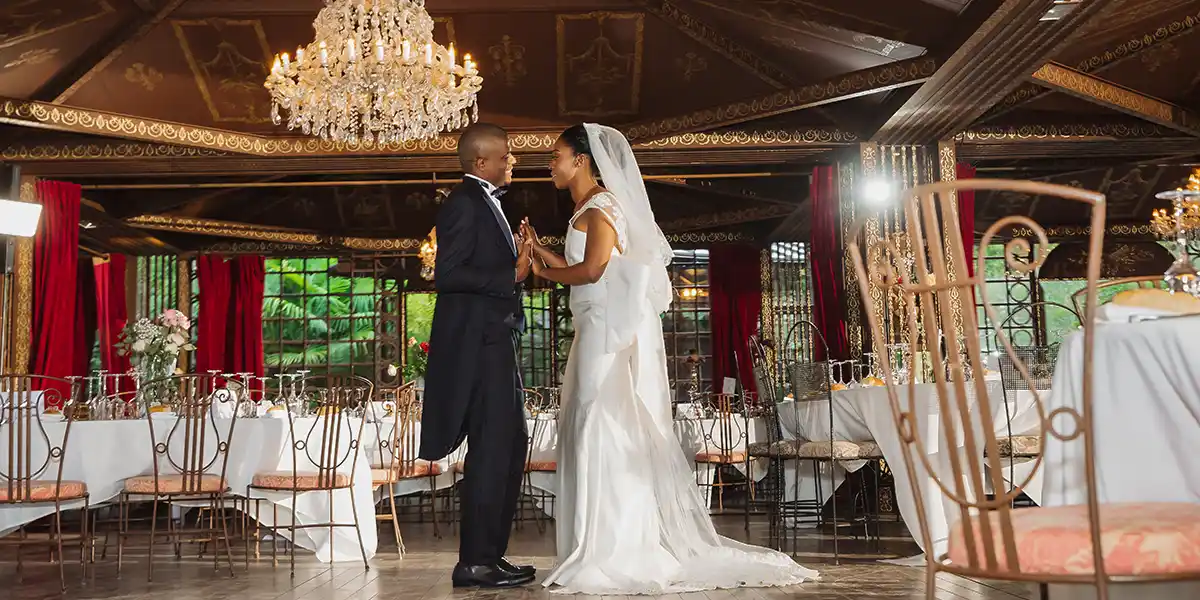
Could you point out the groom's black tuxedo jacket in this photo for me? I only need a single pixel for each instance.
(478, 298)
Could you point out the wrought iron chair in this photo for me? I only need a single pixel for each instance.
(399, 443)
(992, 540)
(811, 382)
(191, 420)
(325, 453)
(724, 434)
(34, 454)
(541, 406)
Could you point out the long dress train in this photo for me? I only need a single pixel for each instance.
(629, 516)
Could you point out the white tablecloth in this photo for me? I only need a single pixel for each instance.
(864, 414)
(544, 433)
(103, 454)
(1145, 421)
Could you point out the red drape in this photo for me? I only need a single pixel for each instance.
(85, 317)
(112, 314)
(246, 333)
(735, 293)
(214, 276)
(829, 313)
(55, 256)
(966, 216)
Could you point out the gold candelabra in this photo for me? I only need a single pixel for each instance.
(1181, 222)
(428, 255)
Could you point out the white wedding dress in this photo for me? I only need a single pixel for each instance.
(629, 516)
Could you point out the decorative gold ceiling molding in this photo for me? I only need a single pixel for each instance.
(523, 143)
(733, 217)
(992, 62)
(1110, 95)
(852, 85)
(1063, 132)
(714, 40)
(267, 239)
(1171, 32)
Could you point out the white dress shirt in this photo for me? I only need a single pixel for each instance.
(491, 190)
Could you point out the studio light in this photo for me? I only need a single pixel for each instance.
(877, 191)
(19, 218)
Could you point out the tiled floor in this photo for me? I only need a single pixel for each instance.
(424, 574)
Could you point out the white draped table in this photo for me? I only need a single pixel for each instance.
(544, 433)
(103, 454)
(1145, 423)
(864, 414)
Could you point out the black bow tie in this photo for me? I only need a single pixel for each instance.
(499, 192)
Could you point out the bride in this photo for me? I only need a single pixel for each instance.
(630, 518)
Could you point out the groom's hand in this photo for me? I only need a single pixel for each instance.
(524, 261)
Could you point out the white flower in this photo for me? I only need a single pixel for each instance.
(139, 346)
(177, 339)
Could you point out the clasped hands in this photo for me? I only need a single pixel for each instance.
(528, 245)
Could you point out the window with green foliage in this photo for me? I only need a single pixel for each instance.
(318, 320)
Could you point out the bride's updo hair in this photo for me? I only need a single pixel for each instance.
(576, 137)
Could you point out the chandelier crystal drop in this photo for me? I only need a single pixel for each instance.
(373, 74)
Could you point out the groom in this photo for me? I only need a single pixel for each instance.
(472, 385)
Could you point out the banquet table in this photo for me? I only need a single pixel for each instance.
(864, 414)
(1145, 423)
(544, 447)
(103, 454)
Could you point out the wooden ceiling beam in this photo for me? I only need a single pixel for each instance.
(763, 212)
(1100, 92)
(68, 81)
(844, 87)
(1169, 33)
(1009, 45)
(712, 38)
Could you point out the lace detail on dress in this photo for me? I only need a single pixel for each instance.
(605, 203)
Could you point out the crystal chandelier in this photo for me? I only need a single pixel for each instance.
(373, 74)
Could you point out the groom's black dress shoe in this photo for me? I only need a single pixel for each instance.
(516, 569)
(488, 576)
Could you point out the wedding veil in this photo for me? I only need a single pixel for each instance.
(647, 252)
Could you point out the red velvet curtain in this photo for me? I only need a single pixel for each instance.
(246, 333)
(213, 323)
(85, 317)
(966, 216)
(825, 254)
(112, 314)
(55, 270)
(735, 294)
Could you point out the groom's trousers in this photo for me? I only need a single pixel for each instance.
(497, 441)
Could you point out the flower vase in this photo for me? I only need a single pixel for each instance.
(151, 368)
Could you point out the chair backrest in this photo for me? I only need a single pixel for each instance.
(399, 427)
(191, 419)
(541, 406)
(922, 288)
(29, 449)
(724, 426)
(328, 441)
(1039, 362)
(1078, 299)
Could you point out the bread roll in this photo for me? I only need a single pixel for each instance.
(1156, 299)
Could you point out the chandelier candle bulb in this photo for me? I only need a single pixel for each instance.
(350, 54)
(299, 56)
(429, 54)
(450, 52)
(379, 49)
(286, 62)
(324, 54)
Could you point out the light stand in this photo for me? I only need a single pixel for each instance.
(17, 219)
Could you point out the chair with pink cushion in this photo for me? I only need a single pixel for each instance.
(926, 293)
(325, 445)
(33, 448)
(191, 420)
